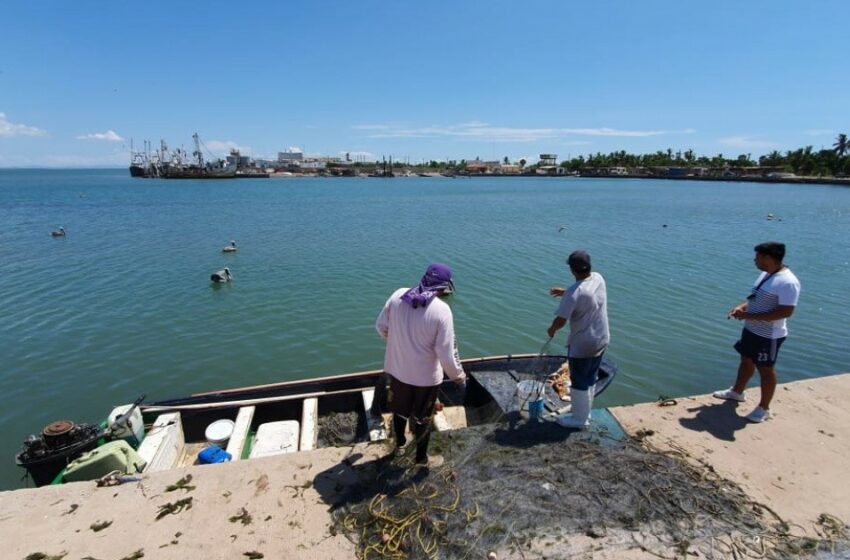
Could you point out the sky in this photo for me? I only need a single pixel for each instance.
(419, 80)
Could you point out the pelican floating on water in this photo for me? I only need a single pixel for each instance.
(221, 276)
(58, 233)
(230, 248)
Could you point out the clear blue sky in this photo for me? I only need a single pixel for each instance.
(419, 80)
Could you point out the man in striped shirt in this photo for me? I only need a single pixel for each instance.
(764, 312)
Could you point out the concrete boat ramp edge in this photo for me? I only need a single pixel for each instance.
(794, 463)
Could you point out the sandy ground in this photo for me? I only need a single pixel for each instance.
(795, 463)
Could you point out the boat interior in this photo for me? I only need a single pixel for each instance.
(332, 411)
(289, 417)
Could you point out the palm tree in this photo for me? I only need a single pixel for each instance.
(841, 146)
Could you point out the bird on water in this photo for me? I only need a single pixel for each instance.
(221, 276)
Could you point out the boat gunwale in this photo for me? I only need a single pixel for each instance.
(358, 374)
(197, 401)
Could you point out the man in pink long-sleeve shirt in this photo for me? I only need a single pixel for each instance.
(419, 329)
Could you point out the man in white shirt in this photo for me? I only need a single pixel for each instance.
(419, 329)
(585, 306)
(764, 312)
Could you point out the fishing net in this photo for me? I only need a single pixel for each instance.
(338, 429)
(538, 491)
(540, 367)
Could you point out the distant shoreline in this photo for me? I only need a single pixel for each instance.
(791, 180)
(840, 181)
(801, 180)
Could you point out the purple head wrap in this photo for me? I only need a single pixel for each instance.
(437, 279)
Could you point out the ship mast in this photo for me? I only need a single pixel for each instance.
(198, 153)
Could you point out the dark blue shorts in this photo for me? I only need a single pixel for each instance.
(584, 372)
(762, 351)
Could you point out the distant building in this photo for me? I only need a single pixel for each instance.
(289, 156)
(326, 159)
(547, 160)
(478, 167)
(237, 159)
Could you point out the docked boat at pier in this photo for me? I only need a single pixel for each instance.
(287, 417)
(178, 164)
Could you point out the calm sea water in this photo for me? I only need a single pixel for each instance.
(123, 305)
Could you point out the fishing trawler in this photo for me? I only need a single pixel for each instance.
(177, 164)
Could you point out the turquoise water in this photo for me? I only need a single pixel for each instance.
(123, 305)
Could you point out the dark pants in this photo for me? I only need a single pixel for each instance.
(379, 402)
(416, 405)
(584, 372)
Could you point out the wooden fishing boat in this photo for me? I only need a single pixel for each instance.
(285, 417)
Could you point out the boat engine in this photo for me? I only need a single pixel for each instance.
(45, 455)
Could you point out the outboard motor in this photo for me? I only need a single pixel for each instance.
(44, 456)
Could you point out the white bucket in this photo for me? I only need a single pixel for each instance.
(135, 427)
(530, 396)
(219, 432)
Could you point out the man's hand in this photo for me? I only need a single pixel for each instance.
(556, 291)
(738, 312)
(460, 381)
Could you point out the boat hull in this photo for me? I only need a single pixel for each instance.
(489, 396)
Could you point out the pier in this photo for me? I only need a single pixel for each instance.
(794, 465)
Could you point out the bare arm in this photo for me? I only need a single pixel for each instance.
(557, 324)
(781, 312)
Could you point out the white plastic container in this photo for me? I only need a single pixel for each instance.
(219, 432)
(275, 438)
(135, 427)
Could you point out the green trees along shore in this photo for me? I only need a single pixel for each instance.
(805, 162)
(834, 162)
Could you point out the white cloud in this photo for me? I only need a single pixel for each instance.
(818, 132)
(746, 142)
(483, 131)
(295, 150)
(222, 148)
(109, 136)
(11, 129)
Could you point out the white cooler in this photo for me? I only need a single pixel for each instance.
(275, 438)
